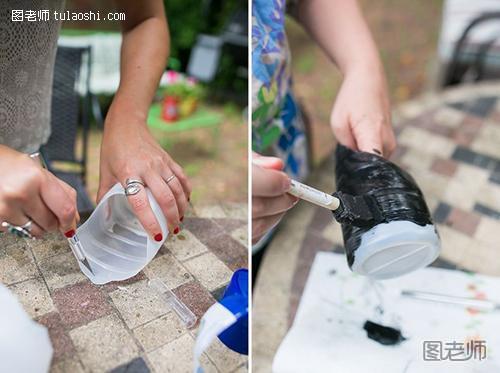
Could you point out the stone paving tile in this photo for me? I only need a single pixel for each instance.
(61, 342)
(113, 285)
(236, 210)
(224, 358)
(416, 161)
(487, 231)
(448, 117)
(209, 270)
(473, 158)
(185, 245)
(16, 261)
(441, 212)
(61, 270)
(80, 304)
(104, 344)
(195, 297)
(241, 235)
(203, 229)
(168, 269)
(463, 221)
(51, 245)
(210, 211)
(160, 331)
(436, 145)
(177, 357)
(487, 140)
(229, 225)
(445, 167)
(71, 365)
(230, 251)
(487, 211)
(489, 195)
(34, 297)
(138, 303)
(137, 365)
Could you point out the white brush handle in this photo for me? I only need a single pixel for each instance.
(313, 195)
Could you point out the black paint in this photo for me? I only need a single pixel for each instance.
(384, 335)
(392, 193)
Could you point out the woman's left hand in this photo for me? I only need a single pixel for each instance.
(361, 116)
(129, 151)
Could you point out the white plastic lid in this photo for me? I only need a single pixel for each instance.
(395, 249)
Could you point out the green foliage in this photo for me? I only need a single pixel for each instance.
(189, 18)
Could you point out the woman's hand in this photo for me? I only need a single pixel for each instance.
(28, 192)
(361, 117)
(270, 199)
(129, 151)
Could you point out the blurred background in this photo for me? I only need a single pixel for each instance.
(200, 103)
(417, 41)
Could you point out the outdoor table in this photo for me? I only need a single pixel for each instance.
(450, 143)
(113, 327)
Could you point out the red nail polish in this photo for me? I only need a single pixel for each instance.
(182, 218)
(176, 230)
(158, 237)
(70, 233)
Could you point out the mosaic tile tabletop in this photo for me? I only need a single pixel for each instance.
(114, 327)
(450, 143)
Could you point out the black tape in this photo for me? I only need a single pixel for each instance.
(391, 193)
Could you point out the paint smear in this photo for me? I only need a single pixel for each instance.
(384, 335)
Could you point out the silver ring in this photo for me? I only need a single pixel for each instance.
(134, 181)
(27, 225)
(170, 178)
(133, 186)
(19, 231)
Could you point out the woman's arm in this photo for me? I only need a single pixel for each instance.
(361, 115)
(144, 54)
(128, 148)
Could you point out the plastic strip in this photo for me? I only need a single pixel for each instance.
(168, 296)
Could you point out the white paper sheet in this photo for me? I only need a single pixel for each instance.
(327, 334)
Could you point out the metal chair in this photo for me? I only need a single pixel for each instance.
(71, 106)
(459, 68)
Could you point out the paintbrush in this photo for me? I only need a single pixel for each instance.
(360, 211)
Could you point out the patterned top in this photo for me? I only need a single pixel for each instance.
(277, 124)
(27, 56)
(270, 70)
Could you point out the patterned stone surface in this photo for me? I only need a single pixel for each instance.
(121, 326)
(450, 143)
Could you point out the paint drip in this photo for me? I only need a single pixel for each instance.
(384, 335)
(393, 192)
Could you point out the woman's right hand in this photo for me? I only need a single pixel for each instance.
(29, 192)
(270, 200)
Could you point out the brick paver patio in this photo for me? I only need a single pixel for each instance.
(117, 327)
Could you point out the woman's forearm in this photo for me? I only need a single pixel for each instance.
(340, 29)
(144, 56)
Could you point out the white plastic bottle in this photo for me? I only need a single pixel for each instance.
(114, 241)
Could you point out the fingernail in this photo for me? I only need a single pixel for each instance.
(158, 237)
(70, 233)
(377, 151)
(182, 218)
(176, 230)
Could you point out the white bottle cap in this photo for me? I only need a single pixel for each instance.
(396, 248)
